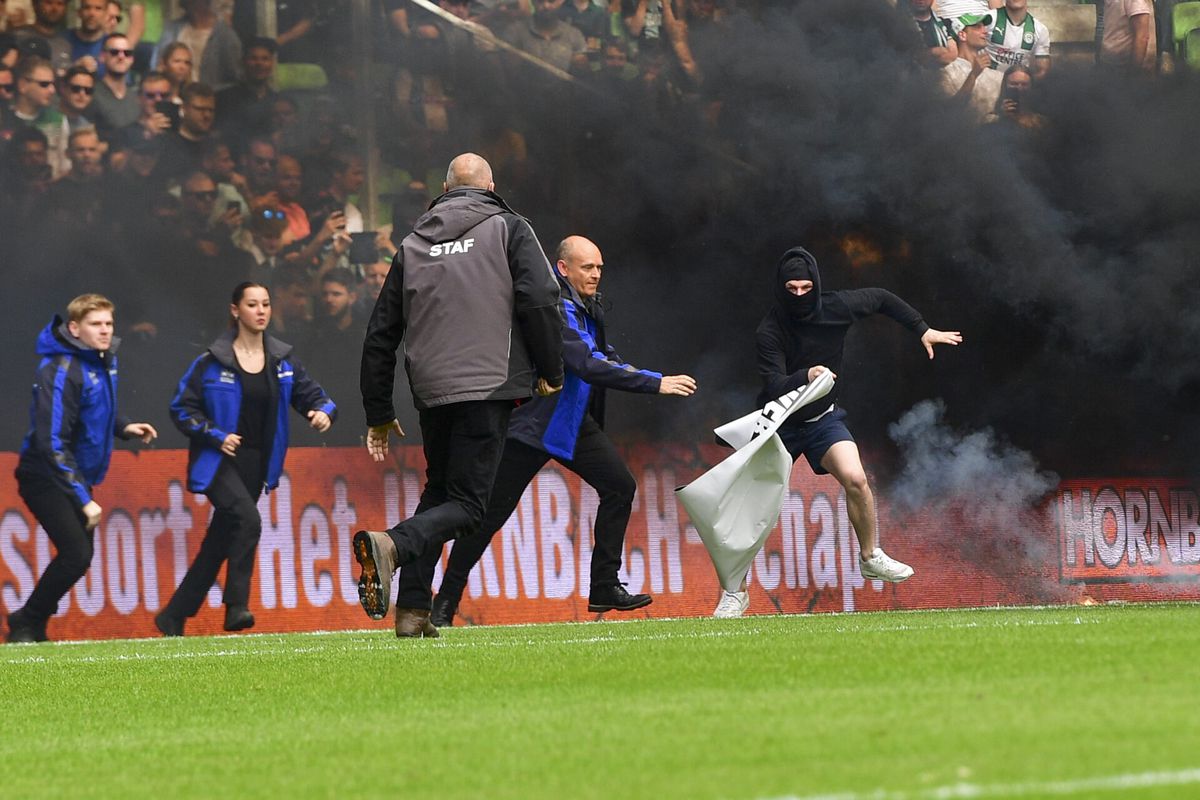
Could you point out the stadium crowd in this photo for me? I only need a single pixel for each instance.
(163, 173)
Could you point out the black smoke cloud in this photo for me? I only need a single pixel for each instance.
(1066, 255)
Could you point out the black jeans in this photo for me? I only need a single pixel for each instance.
(63, 519)
(463, 443)
(597, 462)
(232, 535)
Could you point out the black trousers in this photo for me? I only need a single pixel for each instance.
(597, 462)
(60, 514)
(232, 536)
(463, 443)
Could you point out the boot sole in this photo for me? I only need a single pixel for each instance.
(370, 588)
(597, 608)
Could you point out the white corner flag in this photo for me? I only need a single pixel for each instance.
(735, 504)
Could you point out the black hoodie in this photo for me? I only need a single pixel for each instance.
(810, 330)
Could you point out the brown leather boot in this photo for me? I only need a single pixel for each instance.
(413, 623)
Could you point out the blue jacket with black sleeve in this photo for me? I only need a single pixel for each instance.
(209, 399)
(591, 365)
(73, 417)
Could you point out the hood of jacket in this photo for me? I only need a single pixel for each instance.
(56, 340)
(456, 212)
(797, 264)
(222, 348)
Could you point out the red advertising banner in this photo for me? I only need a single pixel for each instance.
(1129, 531)
(536, 569)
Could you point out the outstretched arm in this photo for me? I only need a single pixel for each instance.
(931, 337)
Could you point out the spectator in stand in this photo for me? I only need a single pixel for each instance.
(1015, 104)
(26, 179)
(953, 9)
(245, 108)
(114, 106)
(1128, 38)
(1018, 38)
(374, 276)
(292, 316)
(215, 47)
(267, 225)
(115, 17)
(87, 41)
(177, 66)
(346, 179)
(547, 36)
(78, 199)
(48, 27)
(592, 20)
(937, 33)
(336, 331)
(258, 166)
(152, 122)
(295, 20)
(217, 160)
(289, 181)
(34, 105)
(644, 23)
(76, 91)
(183, 148)
(969, 79)
(207, 259)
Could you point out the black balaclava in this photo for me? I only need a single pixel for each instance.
(798, 264)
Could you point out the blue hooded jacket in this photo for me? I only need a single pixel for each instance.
(551, 424)
(73, 416)
(208, 402)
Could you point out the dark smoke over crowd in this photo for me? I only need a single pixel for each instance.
(1066, 253)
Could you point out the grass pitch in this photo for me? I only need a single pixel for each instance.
(1052, 702)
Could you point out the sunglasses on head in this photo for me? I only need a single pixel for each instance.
(79, 88)
(116, 51)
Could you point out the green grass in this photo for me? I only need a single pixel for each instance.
(1008, 701)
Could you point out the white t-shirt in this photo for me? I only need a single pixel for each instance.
(1013, 50)
(197, 40)
(987, 87)
(953, 9)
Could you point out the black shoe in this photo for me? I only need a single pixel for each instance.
(238, 618)
(168, 625)
(615, 598)
(443, 612)
(23, 631)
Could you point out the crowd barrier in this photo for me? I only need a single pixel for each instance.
(1093, 541)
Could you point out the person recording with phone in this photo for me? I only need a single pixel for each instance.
(1015, 104)
(183, 147)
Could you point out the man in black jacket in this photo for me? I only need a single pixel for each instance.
(568, 427)
(801, 337)
(473, 297)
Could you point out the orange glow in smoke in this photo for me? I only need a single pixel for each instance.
(861, 250)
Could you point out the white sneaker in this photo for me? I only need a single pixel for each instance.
(882, 567)
(732, 605)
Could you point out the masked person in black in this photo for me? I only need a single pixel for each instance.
(801, 337)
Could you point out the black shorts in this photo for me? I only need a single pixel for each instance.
(813, 439)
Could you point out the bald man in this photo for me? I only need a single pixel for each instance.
(568, 427)
(474, 299)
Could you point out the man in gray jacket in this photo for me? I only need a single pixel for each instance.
(472, 296)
